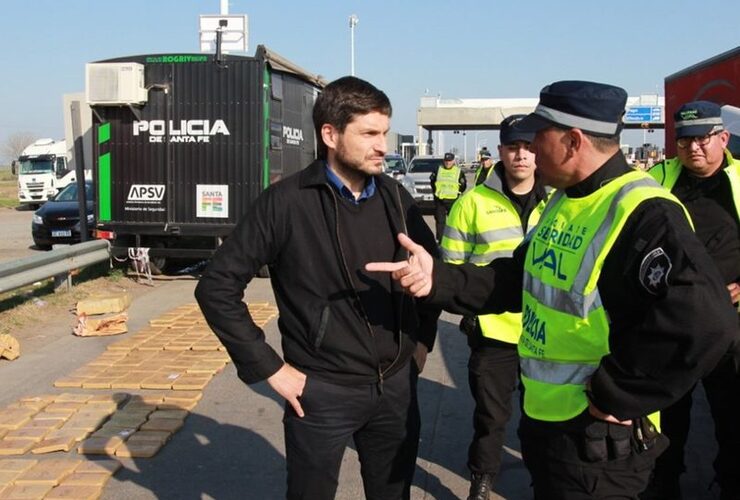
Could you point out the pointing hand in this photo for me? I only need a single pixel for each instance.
(413, 274)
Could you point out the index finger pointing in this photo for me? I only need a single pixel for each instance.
(388, 267)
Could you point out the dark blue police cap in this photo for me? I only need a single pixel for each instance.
(698, 118)
(449, 157)
(510, 133)
(595, 108)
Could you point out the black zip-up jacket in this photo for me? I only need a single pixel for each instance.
(292, 227)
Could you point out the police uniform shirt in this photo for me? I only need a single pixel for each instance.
(711, 206)
(655, 280)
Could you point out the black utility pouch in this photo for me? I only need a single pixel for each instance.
(645, 433)
(620, 444)
(594, 442)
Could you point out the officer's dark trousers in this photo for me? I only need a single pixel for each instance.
(492, 374)
(384, 426)
(571, 461)
(722, 388)
(441, 209)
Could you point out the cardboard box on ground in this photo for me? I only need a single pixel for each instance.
(9, 347)
(114, 305)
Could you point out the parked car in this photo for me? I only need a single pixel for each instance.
(419, 170)
(58, 220)
(394, 165)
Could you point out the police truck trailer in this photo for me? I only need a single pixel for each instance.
(183, 143)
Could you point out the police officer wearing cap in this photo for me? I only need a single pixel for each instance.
(447, 183)
(485, 168)
(622, 308)
(487, 222)
(706, 178)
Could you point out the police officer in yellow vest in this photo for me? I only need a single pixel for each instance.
(622, 308)
(485, 169)
(706, 179)
(489, 222)
(448, 183)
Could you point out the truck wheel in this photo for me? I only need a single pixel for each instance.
(158, 265)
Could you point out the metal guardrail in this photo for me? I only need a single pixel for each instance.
(53, 264)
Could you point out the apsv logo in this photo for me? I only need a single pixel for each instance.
(146, 192)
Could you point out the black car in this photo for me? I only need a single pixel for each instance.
(58, 220)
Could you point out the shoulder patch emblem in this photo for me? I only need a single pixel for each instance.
(654, 271)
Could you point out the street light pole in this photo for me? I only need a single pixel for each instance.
(353, 20)
(477, 149)
(465, 147)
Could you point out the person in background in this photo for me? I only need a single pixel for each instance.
(489, 222)
(485, 168)
(447, 183)
(706, 179)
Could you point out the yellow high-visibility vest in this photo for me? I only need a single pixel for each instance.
(667, 172)
(484, 225)
(565, 326)
(447, 185)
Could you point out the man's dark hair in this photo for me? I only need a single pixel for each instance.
(603, 144)
(341, 100)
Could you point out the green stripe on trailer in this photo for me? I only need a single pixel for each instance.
(104, 198)
(104, 133)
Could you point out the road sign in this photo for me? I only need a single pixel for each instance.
(641, 114)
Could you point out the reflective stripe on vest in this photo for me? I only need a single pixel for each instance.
(483, 225)
(469, 245)
(565, 326)
(447, 184)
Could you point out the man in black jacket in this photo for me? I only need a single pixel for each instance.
(348, 335)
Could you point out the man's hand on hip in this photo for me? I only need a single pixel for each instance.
(289, 383)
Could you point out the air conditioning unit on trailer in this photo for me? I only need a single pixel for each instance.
(115, 84)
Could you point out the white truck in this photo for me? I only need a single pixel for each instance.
(47, 166)
(43, 170)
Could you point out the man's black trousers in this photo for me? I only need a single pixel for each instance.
(493, 371)
(384, 426)
(585, 458)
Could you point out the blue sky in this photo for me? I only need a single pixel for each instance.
(459, 49)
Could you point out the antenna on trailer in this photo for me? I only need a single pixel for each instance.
(223, 33)
(222, 23)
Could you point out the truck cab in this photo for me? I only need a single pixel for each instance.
(42, 171)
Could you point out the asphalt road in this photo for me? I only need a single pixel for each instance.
(16, 240)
